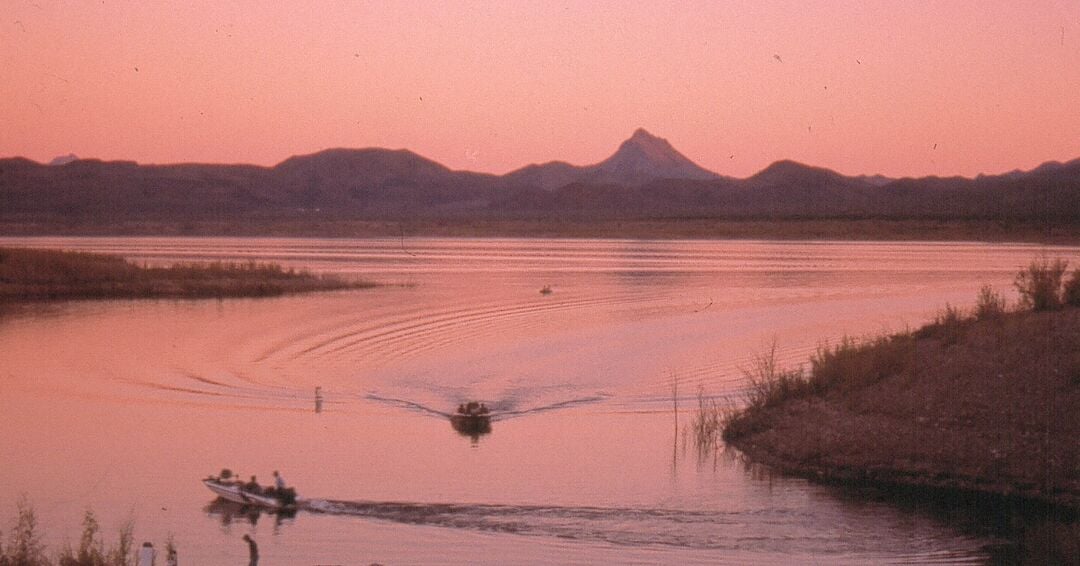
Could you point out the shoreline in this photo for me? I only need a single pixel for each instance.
(630, 228)
(913, 485)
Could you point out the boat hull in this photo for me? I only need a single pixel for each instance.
(471, 424)
(234, 493)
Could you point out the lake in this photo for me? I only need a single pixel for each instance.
(123, 406)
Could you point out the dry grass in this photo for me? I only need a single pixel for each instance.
(27, 274)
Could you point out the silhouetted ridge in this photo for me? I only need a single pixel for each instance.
(646, 178)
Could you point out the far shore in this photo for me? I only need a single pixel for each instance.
(44, 275)
(313, 225)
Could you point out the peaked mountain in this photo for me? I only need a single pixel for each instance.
(644, 158)
(640, 160)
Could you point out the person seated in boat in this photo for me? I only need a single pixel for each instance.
(253, 486)
(483, 410)
(461, 409)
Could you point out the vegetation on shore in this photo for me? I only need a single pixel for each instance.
(27, 274)
(980, 401)
(23, 545)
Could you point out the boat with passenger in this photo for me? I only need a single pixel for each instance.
(472, 418)
(229, 487)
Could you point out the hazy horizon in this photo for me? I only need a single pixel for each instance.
(898, 90)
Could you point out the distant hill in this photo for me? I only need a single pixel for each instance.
(375, 181)
(639, 160)
(646, 178)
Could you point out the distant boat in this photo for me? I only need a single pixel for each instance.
(472, 418)
(546, 290)
(237, 493)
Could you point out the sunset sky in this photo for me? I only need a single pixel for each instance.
(897, 88)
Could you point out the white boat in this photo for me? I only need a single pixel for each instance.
(236, 493)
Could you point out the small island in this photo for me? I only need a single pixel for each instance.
(41, 275)
(981, 404)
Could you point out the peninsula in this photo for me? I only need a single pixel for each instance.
(980, 403)
(35, 275)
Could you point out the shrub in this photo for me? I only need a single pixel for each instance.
(1070, 295)
(990, 304)
(1039, 284)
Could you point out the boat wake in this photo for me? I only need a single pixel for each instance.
(500, 410)
(622, 526)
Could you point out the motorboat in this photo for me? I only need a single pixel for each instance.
(228, 488)
(471, 418)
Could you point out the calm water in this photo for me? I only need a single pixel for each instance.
(123, 406)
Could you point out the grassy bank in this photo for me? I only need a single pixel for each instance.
(980, 402)
(634, 228)
(27, 274)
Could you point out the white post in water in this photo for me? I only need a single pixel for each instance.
(146, 554)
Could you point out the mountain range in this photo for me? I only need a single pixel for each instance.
(645, 178)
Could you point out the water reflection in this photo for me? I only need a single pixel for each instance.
(229, 512)
(474, 428)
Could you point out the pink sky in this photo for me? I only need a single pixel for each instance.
(898, 88)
